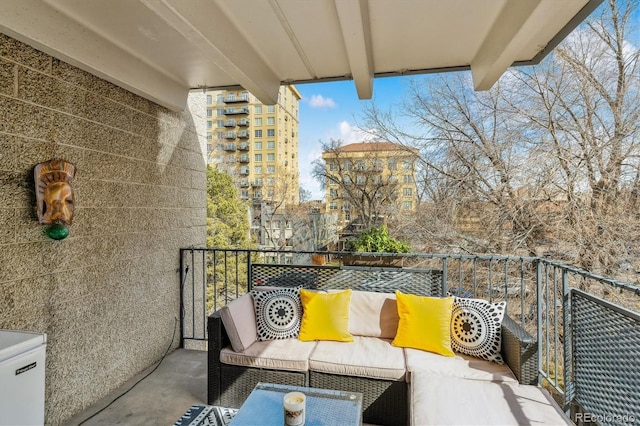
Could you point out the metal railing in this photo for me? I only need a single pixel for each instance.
(538, 293)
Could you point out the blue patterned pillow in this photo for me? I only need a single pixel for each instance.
(278, 313)
(476, 328)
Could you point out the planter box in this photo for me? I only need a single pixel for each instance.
(360, 260)
(318, 259)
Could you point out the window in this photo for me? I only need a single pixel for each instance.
(220, 112)
(333, 193)
(333, 166)
(407, 192)
(209, 124)
(271, 193)
(347, 165)
(209, 99)
(407, 178)
(271, 169)
(333, 205)
(346, 206)
(360, 180)
(347, 217)
(220, 98)
(346, 179)
(271, 132)
(407, 205)
(257, 145)
(392, 164)
(271, 121)
(257, 121)
(257, 170)
(271, 145)
(271, 108)
(209, 137)
(271, 181)
(406, 165)
(209, 113)
(360, 165)
(258, 133)
(244, 96)
(257, 157)
(220, 135)
(257, 109)
(220, 123)
(271, 157)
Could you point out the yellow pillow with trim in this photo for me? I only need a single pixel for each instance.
(425, 323)
(325, 316)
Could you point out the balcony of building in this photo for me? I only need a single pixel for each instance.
(244, 170)
(236, 111)
(243, 122)
(230, 135)
(243, 146)
(233, 98)
(243, 134)
(230, 123)
(244, 158)
(584, 328)
(229, 146)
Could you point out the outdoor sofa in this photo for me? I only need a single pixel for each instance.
(400, 385)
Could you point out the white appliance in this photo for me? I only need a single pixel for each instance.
(22, 357)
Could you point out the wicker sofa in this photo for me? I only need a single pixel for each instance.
(387, 376)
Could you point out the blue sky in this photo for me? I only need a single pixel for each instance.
(330, 111)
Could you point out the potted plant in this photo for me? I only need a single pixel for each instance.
(375, 240)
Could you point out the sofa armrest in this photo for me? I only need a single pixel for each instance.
(520, 352)
(217, 339)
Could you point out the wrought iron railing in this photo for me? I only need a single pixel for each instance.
(538, 292)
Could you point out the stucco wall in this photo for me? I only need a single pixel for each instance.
(108, 295)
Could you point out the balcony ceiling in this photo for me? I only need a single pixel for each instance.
(160, 49)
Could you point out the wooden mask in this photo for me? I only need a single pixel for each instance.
(54, 193)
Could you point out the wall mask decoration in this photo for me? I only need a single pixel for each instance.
(54, 196)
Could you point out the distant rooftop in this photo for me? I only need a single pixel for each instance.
(373, 146)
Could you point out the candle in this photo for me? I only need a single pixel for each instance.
(294, 408)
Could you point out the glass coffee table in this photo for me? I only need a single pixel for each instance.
(264, 406)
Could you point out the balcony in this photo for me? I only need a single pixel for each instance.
(236, 111)
(244, 158)
(230, 147)
(243, 134)
(243, 122)
(244, 170)
(230, 123)
(540, 295)
(229, 99)
(230, 135)
(244, 183)
(243, 146)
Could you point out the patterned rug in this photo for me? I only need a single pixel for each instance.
(206, 415)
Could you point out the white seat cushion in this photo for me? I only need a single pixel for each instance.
(369, 357)
(283, 354)
(442, 400)
(462, 366)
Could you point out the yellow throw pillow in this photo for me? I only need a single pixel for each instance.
(325, 316)
(424, 323)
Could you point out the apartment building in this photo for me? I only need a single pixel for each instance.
(370, 181)
(257, 144)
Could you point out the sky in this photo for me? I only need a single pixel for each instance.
(332, 110)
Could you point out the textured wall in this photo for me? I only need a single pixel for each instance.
(108, 295)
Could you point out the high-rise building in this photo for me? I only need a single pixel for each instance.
(256, 144)
(371, 181)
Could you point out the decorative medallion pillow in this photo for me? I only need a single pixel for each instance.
(278, 313)
(476, 328)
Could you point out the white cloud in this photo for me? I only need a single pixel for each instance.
(319, 101)
(350, 133)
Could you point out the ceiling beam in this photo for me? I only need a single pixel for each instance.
(45, 28)
(356, 32)
(204, 24)
(494, 56)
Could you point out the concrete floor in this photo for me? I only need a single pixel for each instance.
(160, 399)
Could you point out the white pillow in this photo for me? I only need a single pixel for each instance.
(476, 328)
